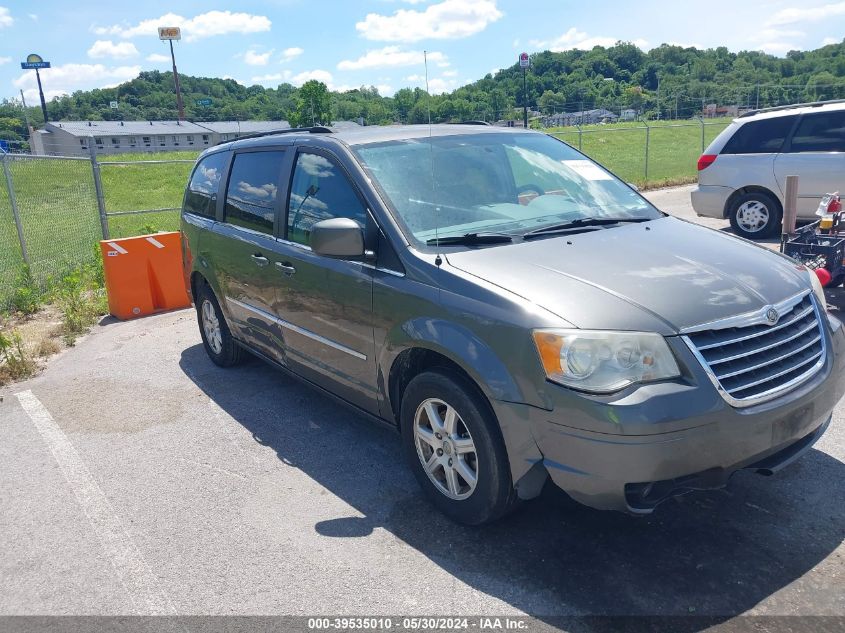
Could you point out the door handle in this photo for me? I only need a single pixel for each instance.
(260, 260)
(286, 268)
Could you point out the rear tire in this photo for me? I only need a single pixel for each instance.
(755, 215)
(217, 339)
(447, 423)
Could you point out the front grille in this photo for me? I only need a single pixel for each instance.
(756, 361)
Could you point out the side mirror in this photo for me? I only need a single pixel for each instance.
(338, 237)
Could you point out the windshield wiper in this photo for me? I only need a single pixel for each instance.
(578, 224)
(470, 239)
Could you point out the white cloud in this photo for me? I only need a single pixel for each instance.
(806, 14)
(320, 75)
(254, 58)
(291, 53)
(450, 73)
(5, 60)
(200, 26)
(450, 19)
(574, 38)
(158, 58)
(272, 78)
(438, 85)
(390, 57)
(32, 16)
(776, 41)
(5, 18)
(384, 90)
(66, 78)
(830, 40)
(107, 48)
(415, 78)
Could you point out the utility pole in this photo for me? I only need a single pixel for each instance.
(26, 118)
(658, 97)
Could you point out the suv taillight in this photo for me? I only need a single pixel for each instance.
(706, 160)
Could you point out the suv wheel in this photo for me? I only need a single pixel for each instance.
(755, 215)
(455, 449)
(216, 337)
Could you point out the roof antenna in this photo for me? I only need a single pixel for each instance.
(437, 260)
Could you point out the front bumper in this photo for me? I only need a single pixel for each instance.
(710, 200)
(668, 441)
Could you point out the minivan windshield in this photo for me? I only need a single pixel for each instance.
(508, 184)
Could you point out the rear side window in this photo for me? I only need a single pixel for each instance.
(760, 137)
(253, 187)
(823, 132)
(319, 191)
(202, 190)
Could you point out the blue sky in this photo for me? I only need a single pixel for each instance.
(371, 42)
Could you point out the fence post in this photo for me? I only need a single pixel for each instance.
(580, 134)
(701, 121)
(13, 202)
(98, 188)
(647, 134)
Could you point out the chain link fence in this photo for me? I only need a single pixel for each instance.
(55, 210)
(644, 153)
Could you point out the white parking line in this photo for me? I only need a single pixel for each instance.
(133, 571)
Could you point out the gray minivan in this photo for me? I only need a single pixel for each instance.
(512, 308)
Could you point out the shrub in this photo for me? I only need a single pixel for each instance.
(81, 300)
(27, 296)
(16, 362)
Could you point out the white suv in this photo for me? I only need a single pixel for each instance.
(742, 174)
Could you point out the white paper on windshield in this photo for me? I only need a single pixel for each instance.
(587, 170)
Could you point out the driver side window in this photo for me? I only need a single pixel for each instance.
(319, 191)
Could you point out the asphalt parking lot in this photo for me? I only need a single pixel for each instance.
(138, 478)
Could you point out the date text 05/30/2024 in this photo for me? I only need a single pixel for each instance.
(485, 623)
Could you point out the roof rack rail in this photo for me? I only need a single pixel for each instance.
(314, 129)
(472, 123)
(809, 104)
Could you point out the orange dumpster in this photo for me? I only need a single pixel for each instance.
(144, 274)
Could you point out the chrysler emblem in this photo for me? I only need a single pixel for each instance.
(772, 316)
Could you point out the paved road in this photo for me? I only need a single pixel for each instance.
(137, 477)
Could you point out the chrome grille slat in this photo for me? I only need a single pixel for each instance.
(750, 361)
(771, 377)
(808, 328)
(771, 361)
(774, 328)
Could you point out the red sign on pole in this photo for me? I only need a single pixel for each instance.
(524, 60)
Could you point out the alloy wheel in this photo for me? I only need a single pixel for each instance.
(211, 327)
(446, 449)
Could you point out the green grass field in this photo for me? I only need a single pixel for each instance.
(61, 224)
(674, 148)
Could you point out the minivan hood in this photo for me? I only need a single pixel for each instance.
(663, 276)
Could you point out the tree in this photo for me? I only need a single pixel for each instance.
(313, 105)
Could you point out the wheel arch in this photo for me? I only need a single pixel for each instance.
(729, 203)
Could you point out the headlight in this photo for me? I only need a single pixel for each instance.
(817, 289)
(601, 361)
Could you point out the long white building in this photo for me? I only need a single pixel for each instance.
(74, 138)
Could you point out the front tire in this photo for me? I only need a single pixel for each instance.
(755, 215)
(455, 449)
(217, 339)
